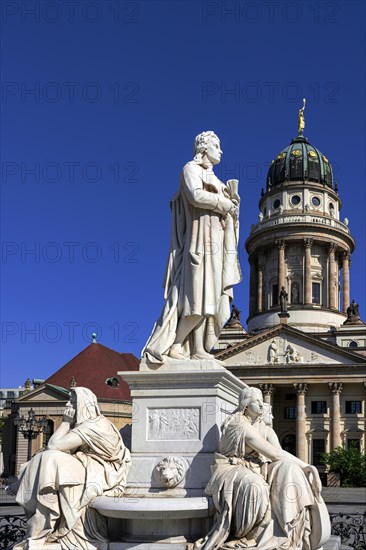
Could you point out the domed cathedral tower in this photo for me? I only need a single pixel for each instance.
(300, 243)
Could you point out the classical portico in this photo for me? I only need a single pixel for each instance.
(316, 388)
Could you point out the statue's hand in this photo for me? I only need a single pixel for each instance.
(234, 211)
(69, 415)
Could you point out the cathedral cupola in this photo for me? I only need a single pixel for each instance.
(300, 243)
(300, 161)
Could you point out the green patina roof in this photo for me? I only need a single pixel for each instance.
(300, 161)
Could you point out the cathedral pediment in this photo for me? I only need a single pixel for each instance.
(283, 345)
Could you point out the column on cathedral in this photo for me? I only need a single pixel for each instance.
(333, 302)
(268, 391)
(301, 390)
(260, 283)
(252, 285)
(308, 279)
(345, 281)
(335, 415)
(281, 265)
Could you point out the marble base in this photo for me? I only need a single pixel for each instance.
(333, 544)
(143, 546)
(178, 410)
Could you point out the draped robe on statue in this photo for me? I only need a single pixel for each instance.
(203, 261)
(56, 486)
(268, 505)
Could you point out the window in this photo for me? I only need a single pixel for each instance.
(290, 396)
(318, 449)
(315, 201)
(10, 393)
(275, 295)
(353, 407)
(48, 432)
(354, 443)
(289, 443)
(295, 200)
(113, 382)
(277, 203)
(316, 293)
(295, 293)
(318, 407)
(290, 413)
(353, 344)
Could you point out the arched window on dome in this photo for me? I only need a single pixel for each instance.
(313, 166)
(296, 165)
(353, 344)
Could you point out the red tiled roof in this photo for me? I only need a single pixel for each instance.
(92, 367)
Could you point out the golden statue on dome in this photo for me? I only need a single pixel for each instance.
(301, 117)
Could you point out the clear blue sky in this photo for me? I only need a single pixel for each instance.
(120, 89)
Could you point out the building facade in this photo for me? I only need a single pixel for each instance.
(96, 368)
(306, 344)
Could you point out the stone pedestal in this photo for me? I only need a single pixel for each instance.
(178, 410)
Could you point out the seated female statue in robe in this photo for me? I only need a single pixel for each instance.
(265, 498)
(85, 458)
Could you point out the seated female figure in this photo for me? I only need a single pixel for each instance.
(265, 498)
(85, 458)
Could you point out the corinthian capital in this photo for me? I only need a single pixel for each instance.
(301, 388)
(266, 389)
(335, 387)
(308, 243)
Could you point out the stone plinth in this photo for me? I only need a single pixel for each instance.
(178, 410)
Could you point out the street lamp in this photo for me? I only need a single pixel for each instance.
(30, 427)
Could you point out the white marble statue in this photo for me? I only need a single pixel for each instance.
(85, 458)
(272, 353)
(265, 498)
(292, 355)
(203, 261)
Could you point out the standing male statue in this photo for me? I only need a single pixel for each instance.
(283, 300)
(203, 261)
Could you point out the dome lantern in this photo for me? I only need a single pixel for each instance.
(300, 161)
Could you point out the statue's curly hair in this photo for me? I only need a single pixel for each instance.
(201, 142)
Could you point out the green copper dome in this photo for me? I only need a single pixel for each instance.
(300, 161)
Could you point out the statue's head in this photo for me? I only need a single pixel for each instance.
(85, 403)
(207, 144)
(251, 402)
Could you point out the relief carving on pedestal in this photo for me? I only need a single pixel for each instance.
(173, 424)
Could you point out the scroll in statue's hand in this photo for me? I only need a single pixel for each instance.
(232, 186)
